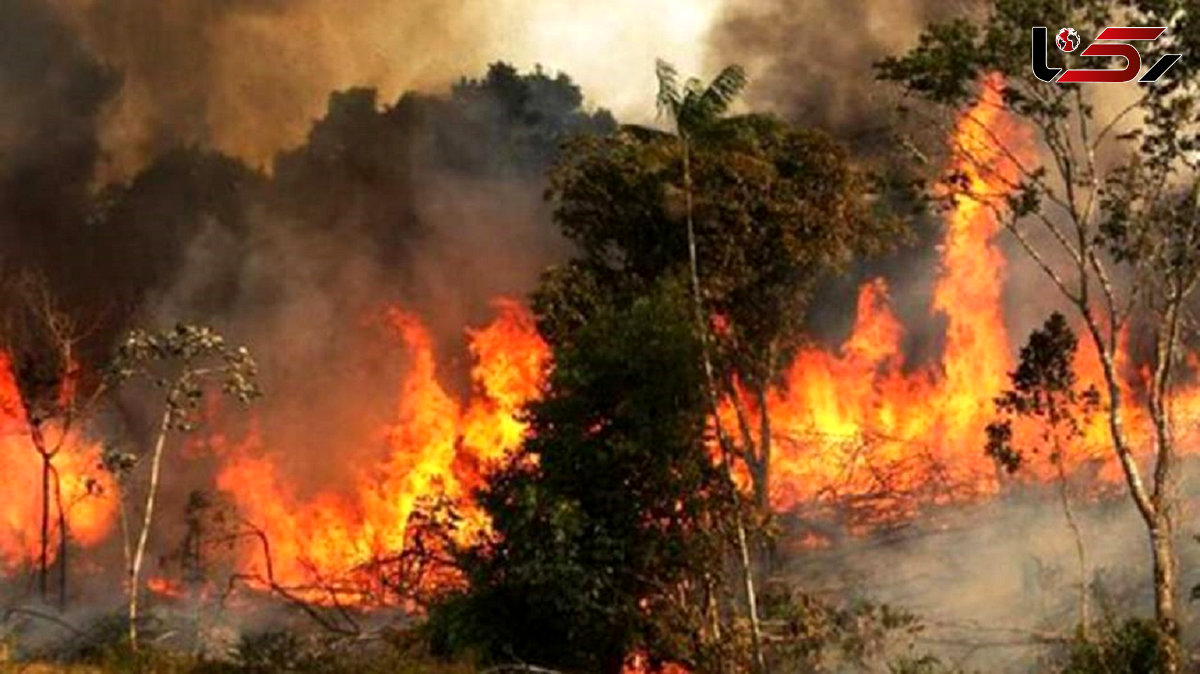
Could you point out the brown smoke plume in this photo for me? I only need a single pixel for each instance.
(247, 77)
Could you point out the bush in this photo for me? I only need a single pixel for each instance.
(1133, 646)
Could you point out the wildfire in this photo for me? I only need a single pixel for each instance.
(84, 488)
(855, 424)
(852, 423)
(437, 448)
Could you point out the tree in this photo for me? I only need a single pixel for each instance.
(1046, 389)
(693, 108)
(40, 339)
(775, 208)
(609, 525)
(747, 210)
(181, 363)
(1108, 210)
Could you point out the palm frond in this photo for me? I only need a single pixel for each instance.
(669, 99)
(721, 92)
(693, 105)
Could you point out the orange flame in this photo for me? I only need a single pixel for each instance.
(437, 448)
(84, 486)
(854, 424)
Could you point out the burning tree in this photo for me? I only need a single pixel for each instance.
(1108, 211)
(38, 341)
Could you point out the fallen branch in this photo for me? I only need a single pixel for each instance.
(287, 594)
(11, 611)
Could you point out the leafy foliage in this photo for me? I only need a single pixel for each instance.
(775, 208)
(695, 106)
(608, 527)
(180, 362)
(767, 209)
(1045, 387)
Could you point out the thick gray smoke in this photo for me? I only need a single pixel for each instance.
(996, 584)
(53, 91)
(811, 60)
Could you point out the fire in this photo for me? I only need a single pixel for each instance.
(848, 420)
(850, 424)
(639, 663)
(855, 424)
(166, 588)
(84, 486)
(437, 448)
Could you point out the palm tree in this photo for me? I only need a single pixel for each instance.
(691, 108)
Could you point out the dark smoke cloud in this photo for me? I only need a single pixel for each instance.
(52, 92)
(811, 60)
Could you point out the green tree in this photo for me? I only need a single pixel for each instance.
(1108, 208)
(182, 363)
(1046, 390)
(747, 210)
(773, 208)
(609, 526)
(694, 108)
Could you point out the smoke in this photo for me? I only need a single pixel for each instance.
(990, 582)
(53, 91)
(811, 60)
(246, 77)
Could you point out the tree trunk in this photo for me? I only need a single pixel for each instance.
(1154, 507)
(763, 473)
(44, 556)
(1162, 546)
(714, 401)
(62, 540)
(1161, 528)
(135, 567)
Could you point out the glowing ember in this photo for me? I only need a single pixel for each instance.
(166, 588)
(638, 663)
(86, 493)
